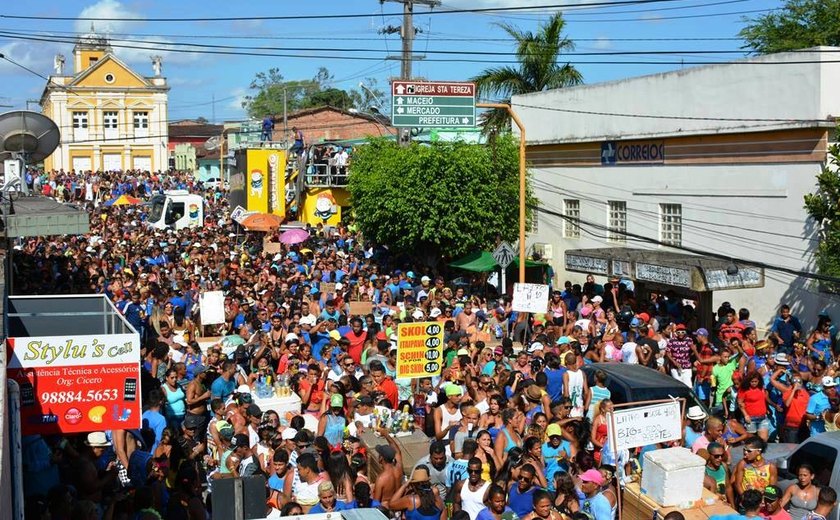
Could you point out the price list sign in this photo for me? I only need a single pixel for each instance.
(72, 384)
(419, 349)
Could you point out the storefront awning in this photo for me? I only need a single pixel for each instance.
(693, 272)
(483, 261)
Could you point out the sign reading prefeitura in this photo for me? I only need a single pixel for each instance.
(419, 349)
(72, 384)
(438, 104)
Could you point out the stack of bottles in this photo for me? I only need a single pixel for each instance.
(396, 421)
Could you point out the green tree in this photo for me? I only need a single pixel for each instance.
(798, 25)
(824, 207)
(269, 87)
(443, 200)
(538, 69)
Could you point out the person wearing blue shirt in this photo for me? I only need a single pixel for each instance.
(819, 403)
(521, 494)
(153, 419)
(327, 501)
(554, 374)
(594, 502)
(225, 384)
(554, 451)
(786, 329)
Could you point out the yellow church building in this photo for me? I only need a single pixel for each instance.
(110, 117)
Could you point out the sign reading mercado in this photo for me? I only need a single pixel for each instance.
(437, 104)
(419, 349)
(72, 384)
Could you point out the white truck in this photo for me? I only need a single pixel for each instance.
(176, 209)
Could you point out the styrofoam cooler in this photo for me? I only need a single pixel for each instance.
(673, 476)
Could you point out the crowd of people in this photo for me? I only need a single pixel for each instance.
(515, 425)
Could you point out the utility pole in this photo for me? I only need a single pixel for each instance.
(407, 33)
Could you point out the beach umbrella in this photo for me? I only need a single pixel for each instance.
(294, 236)
(261, 222)
(124, 200)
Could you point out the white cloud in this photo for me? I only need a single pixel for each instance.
(23, 53)
(142, 47)
(603, 43)
(238, 94)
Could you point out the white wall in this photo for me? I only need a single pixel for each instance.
(760, 88)
(765, 222)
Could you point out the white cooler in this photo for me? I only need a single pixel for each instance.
(673, 476)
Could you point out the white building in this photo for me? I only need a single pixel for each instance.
(714, 158)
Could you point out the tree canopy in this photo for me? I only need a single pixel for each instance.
(798, 25)
(447, 199)
(824, 207)
(538, 55)
(268, 88)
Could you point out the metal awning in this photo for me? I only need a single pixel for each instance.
(64, 315)
(43, 216)
(693, 272)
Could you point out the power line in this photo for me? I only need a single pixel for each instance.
(329, 16)
(729, 258)
(168, 47)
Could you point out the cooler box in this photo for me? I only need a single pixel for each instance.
(673, 476)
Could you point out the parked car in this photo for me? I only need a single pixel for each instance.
(633, 383)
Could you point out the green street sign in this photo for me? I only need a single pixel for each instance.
(417, 104)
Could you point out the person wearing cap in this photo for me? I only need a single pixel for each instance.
(555, 452)
(417, 497)
(819, 403)
(448, 415)
(594, 502)
(794, 399)
(391, 462)
(331, 424)
(490, 368)
(772, 508)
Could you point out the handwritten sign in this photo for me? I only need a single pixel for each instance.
(360, 308)
(238, 214)
(211, 306)
(327, 288)
(530, 297)
(634, 427)
(419, 349)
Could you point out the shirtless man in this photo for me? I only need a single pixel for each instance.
(390, 459)
(236, 413)
(198, 396)
(466, 318)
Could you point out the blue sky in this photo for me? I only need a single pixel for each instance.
(196, 78)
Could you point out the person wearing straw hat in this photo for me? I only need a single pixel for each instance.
(417, 497)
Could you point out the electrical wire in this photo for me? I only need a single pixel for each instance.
(339, 16)
(729, 258)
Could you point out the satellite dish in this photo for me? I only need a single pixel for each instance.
(212, 143)
(27, 137)
(29, 133)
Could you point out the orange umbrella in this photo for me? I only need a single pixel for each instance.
(261, 222)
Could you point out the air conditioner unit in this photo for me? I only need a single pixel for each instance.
(545, 251)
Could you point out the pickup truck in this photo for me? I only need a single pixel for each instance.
(820, 451)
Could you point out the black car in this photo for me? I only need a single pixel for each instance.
(630, 383)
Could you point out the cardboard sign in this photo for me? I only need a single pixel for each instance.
(212, 308)
(419, 349)
(634, 427)
(360, 308)
(530, 297)
(327, 288)
(272, 248)
(73, 384)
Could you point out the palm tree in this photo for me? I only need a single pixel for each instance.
(538, 70)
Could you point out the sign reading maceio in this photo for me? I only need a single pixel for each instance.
(418, 104)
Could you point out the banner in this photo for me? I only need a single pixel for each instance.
(73, 384)
(212, 308)
(530, 297)
(419, 349)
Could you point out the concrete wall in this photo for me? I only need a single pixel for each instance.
(748, 211)
(758, 88)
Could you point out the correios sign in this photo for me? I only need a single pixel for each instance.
(632, 152)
